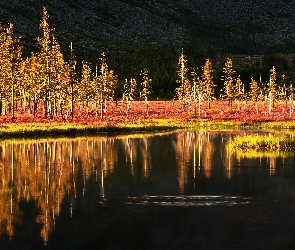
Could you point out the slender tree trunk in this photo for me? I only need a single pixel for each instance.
(270, 103)
(1, 104)
(72, 99)
(35, 106)
(12, 101)
(101, 109)
(199, 105)
(146, 107)
(291, 105)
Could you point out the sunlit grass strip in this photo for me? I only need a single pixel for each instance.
(257, 142)
(72, 129)
(252, 154)
(44, 129)
(127, 126)
(144, 125)
(277, 125)
(101, 137)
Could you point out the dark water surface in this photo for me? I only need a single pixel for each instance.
(180, 190)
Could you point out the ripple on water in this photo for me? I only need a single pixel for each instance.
(188, 200)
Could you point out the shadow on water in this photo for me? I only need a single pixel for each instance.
(181, 190)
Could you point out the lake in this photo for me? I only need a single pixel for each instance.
(174, 190)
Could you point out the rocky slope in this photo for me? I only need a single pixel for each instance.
(102, 23)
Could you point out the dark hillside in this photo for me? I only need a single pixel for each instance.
(151, 33)
(105, 23)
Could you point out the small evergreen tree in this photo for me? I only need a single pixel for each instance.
(129, 93)
(239, 90)
(228, 81)
(255, 93)
(197, 91)
(10, 62)
(105, 85)
(272, 89)
(183, 92)
(73, 82)
(145, 88)
(53, 75)
(84, 88)
(207, 85)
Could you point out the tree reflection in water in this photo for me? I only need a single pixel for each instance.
(45, 183)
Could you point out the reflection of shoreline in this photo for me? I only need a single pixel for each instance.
(250, 154)
(46, 172)
(102, 136)
(51, 172)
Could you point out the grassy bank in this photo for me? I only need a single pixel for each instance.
(127, 126)
(276, 125)
(257, 142)
(147, 125)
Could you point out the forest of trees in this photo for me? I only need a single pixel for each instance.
(201, 89)
(46, 80)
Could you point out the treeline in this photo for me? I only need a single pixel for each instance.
(196, 88)
(46, 80)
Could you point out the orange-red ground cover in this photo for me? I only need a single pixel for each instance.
(219, 111)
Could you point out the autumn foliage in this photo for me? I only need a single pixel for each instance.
(46, 87)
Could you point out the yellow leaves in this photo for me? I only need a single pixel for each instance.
(273, 77)
(182, 68)
(10, 58)
(239, 88)
(84, 86)
(228, 79)
(183, 93)
(207, 80)
(129, 90)
(45, 41)
(145, 85)
(207, 70)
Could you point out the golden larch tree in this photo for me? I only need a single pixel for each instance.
(207, 82)
(53, 72)
(129, 93)
(145, 88)
(183, 92)
(10, 62)
(104, 85)
(228, 81)
(239, 91)
(84, 88)
(272, 88)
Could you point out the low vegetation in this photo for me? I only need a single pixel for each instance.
(50, 85)
(45, 94)
(258, 142)
(250, 154)
(42, 129)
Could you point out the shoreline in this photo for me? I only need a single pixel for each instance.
(162, 116)
(53, 128)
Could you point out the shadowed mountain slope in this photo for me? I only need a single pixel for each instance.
(105, 23)
(139, 34)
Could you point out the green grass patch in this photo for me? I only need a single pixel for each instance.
(48, 129)
(257, 142)
(277, 125)
(251, 154)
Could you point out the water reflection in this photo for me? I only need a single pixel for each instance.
(135, 169)
(189, 200)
